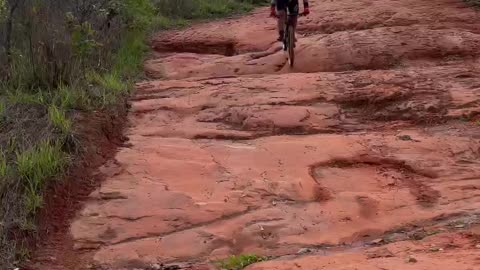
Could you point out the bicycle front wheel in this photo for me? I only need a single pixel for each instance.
(291, 45)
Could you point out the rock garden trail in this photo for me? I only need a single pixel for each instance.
(365, 155)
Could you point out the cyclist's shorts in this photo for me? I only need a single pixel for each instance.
(292, 6)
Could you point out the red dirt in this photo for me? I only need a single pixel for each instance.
(99, 134)
(358, 158)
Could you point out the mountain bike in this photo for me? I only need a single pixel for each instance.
(289, 35)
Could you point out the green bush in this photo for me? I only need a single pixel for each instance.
(83, 36)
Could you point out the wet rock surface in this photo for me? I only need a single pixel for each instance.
(333, 164)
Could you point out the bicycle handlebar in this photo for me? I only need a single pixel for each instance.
(299, 15)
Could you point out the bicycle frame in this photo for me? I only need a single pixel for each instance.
(289, 29)
(289, 21)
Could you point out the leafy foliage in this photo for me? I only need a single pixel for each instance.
(240, 261)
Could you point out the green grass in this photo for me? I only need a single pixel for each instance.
(108, 81)
(35, 167)
(219, 8)
(59, 119)
(21, 70)
(162, 22)
(110, 87)
(26, 97)
(4, 168)
(240, 261)
(204, 9)
(3, 107)
(129, 57)
(126, 62)
(11, 145)
(23, 254)
(67, 97)
(71, 97)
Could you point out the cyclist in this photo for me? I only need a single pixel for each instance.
(278, 9)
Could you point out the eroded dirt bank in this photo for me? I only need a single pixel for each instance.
(365, 156)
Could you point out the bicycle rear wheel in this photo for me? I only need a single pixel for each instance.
(291, 45)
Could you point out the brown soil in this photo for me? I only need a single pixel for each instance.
(363, 156)
(99, 134)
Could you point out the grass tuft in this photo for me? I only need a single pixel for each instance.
(69, 97)
(35, 167)
(129, 57)
(240, 261)
(59, 119)
(3, 107)
(4, 168)
(108, 81)
(26, 97)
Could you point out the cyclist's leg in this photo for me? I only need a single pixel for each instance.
(281, 12)
(281, 23)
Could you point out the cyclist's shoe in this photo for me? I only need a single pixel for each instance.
(280, 36)
(306, 11)
(273, 11)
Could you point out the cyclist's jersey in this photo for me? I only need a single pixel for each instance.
(283, 4)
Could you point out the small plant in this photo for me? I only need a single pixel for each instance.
(4, 169)
(33, 200)
(113, 81)
(83, 37)
(28, 224)
(35, 167)
(239, 262)
(23, 254)
(59, 119)
(68, 97)
(11, 145)
(111, 86)
(109, 81)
